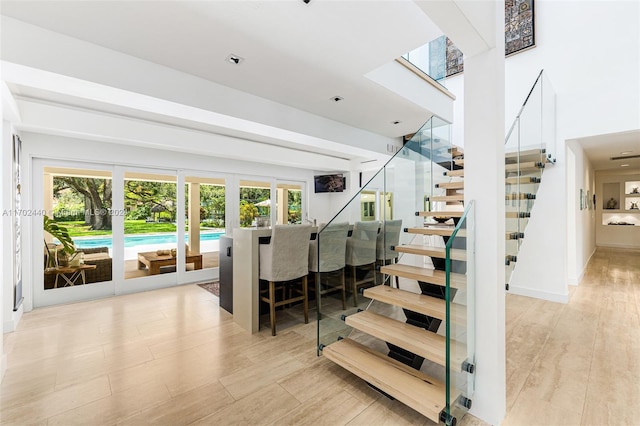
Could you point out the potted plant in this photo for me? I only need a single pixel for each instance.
(61, 233)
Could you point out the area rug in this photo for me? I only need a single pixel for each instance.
(212, 287)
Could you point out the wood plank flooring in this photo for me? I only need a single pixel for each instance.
(173, 357)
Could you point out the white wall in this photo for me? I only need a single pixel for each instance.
(591, 100)
(583, 222)
(595, 76)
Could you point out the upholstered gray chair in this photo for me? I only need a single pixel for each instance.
(388, 237)
(361, 252)
(285, 258)
(327, 254)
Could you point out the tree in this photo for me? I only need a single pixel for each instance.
(97, 193)
(157, 196)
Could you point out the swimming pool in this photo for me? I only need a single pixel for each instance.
(143, 239)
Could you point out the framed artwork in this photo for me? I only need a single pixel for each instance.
(519, 34)
(455, 60)
(519, 28)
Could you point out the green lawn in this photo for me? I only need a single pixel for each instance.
(79, 229)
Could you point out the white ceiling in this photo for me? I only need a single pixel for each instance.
(296, 54)
(600, 149)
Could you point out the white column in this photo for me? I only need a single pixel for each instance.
(484, 125)
(283, 206)
(194, 217)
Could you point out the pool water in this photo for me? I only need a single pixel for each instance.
(136, 240)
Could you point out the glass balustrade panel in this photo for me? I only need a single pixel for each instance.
(460, 315)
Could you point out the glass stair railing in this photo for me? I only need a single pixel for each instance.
(529, 147)
(400, 315)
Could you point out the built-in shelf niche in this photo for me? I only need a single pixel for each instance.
(611, 196)
(632, 188)
(621, 218)
(632, 204)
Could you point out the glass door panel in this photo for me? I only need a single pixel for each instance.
(77, 227)
(255, 203)
(150, 207)
(205, 212)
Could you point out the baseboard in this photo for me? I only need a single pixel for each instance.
(613, 245)
(544, 295)
(11, 325)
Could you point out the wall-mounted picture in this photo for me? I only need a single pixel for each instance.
(519, 34)
(329, 183)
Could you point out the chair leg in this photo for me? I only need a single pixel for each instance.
(344, 291)
(272, 306)
(355, 287)
(305, 300)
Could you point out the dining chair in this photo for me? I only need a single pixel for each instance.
(284, 259)
(361, 252)
(388, 239)
(327, 255)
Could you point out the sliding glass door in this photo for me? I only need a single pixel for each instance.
(205, 201)
(72, 232)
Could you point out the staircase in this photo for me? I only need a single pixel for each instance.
(409, 337)
(413, 338)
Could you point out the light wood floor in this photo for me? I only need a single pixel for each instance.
(172, 356)
(578, 364)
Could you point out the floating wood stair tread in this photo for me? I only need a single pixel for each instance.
(523, 180)
(455, 197)
(527, 155)
(451, 213)
(451, 173)
(435, 230)
(519, 196)
(417, 273)
(451, 185)
(514, 235)
(415, 339)
(517, 215)
(420, 303)
(456, 254)
(407, 385)
(526, 166)
(458, 162)
(456, 151)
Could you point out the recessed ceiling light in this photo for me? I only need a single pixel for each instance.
(336, 98)
(626, 152)
(396, 122)
(234, 59)
(624, 165)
